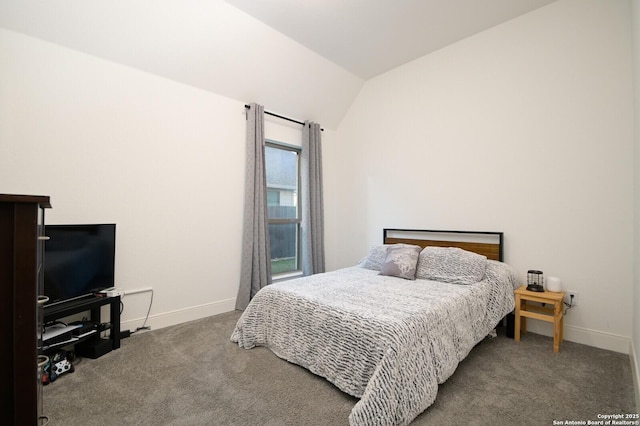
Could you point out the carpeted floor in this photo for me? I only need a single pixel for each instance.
(192, 374)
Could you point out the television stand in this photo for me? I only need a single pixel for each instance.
(92, 304)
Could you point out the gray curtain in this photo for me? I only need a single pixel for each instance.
(312, 204)
(256, 258)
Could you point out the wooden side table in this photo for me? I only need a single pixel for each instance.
(554, 315)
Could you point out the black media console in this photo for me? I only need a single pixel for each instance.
(92, 304)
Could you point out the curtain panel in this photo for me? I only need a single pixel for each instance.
(312, 200)
(256, 258)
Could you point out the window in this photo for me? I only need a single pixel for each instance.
(273, 197)
(282, 163)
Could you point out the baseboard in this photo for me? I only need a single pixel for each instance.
(635, 372)
(179, 316)
(585, 336)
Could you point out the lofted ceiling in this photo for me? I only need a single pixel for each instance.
(306, 59)
(369, 37)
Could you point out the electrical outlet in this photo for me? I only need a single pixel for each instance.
(567, 297)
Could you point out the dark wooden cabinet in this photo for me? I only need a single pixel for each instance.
(21, 260)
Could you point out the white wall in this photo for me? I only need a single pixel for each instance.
(162, 160)
(525, 128)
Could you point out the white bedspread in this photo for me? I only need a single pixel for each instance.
(385, 340)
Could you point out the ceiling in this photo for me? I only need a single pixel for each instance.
(302, 58)
(370, 37)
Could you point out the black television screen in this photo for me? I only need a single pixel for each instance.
(78, 260)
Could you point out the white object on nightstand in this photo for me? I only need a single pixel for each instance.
(554, 284)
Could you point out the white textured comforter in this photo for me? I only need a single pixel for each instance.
(385, 340)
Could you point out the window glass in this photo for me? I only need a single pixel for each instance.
(282, 172)
(273, 198)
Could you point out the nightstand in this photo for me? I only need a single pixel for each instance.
(525, 310)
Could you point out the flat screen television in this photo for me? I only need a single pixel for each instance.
(78, 260)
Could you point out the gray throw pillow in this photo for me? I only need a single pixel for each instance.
(401, 261)
(376, 256)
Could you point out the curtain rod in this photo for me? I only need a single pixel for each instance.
(283, 117)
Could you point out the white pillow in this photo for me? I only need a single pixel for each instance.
(501, 272)
(451, 265)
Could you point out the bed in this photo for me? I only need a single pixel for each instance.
(377, 333)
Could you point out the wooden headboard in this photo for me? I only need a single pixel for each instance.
(488, 244)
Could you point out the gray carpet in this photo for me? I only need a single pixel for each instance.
(192, 374)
